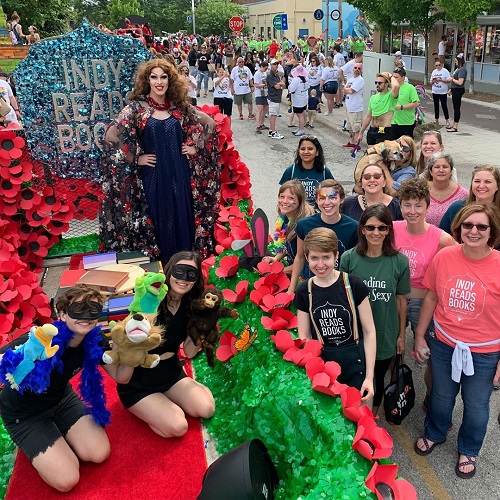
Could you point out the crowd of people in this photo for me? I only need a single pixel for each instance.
(413, 247)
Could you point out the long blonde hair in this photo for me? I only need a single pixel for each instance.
(485, 167)
(303, 208)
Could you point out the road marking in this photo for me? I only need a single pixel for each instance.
(435, 486)
(486, 117)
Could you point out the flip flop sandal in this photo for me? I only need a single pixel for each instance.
(291, 126)
(448, 126)
(466, 475)
(428, 447)
(452, 129)
(241, 117)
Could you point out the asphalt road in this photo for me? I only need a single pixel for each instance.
(433, 476)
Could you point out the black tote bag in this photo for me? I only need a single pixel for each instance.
(399, 395)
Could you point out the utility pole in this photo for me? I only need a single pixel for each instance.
(194, 21)
(327, 25)
(340, 29)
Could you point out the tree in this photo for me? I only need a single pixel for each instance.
(465, 13)
(212, 16)
(167, 16)
(96, 11)
(118, 9)
(51, 17)
(382, 12)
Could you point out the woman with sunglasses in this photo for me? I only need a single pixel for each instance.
(483, 188)
(373, 184)
(439, 79)
(386, 273)
(462, 299)
(444, 191)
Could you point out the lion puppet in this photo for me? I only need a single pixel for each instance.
(134, 337)
(383, 154)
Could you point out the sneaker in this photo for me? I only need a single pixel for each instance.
(348, 145)
(327, 113)
(270, 133)
(258, 131)
(267, 115)
(299, 133)
(311, 126)
(276, 135)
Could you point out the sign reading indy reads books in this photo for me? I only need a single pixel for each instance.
(69, 88)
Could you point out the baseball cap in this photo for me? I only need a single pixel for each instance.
(274, 61)
(398, 53)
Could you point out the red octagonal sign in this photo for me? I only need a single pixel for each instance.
(236, 23)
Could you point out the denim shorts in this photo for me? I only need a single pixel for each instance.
(413, 313)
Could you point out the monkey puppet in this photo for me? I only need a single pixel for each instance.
(202, 325)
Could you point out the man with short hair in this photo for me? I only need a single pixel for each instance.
(403, 120)
(380, 110)
(242, 87)
(275, 86)
(398, 56)
(347, 70)
(353, 91)
(442, 49)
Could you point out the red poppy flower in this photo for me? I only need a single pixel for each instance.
(228, 266)
(237, 296)
(49, 202)
(371, 441)
(281, 319)
(8, 206)
(283, 340)
(24, 316)
(29, 198)
(226, 349)
(42, 304)
(228, 213)
(11, 145)
(66, 211)
(7, 323)
(16, 174)
(382, 481)
(206, 265)
(269, 302)
(275, 282)
(36, 217)
(38, 244)
(9, 188)
(266, 268)
(311, 349)
(314, 366)
(7, 291)
(13, 126)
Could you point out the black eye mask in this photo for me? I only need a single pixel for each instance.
(185, 272)
(84, 310)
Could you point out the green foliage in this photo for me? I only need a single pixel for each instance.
(382, 12)
(167, 16)
(51, 17)
(118, 9)
(212, 16)
(464, 12)
(96, 11)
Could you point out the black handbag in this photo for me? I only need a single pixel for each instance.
(399, 395)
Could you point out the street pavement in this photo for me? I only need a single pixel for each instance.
(477, 141)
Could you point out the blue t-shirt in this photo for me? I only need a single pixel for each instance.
(309, 179)
(401, 174)
(449, 215)
(312, 103)
(346, 230)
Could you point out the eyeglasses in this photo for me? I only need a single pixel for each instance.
(357, 67)
(406, 149)
(380, 83)
(398, 70)
(480, 227)
(438, 65)
(370, 228)
(376, 176)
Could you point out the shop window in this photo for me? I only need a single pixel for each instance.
(396, 42)
(385, 44)
(418, 44)
(492, 45)
(476, 42)
(407, 42)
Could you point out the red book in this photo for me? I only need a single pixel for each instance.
(70, 277)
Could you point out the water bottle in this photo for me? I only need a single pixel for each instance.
(422, 364)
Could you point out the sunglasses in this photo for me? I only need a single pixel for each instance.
(405, 149)
(380, 83)
(376, 176)
(438, 65)
(479, 227)
(371, 228)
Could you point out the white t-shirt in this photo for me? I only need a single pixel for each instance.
(440, 87)
(348, 69)
(241, 80)
(354, 102)
(298, 92)
(192, 90)
(441, 48)
(258, 78)
(6, 93)
(339, 59)
(223, 89)
(314, 74)
(330, 74)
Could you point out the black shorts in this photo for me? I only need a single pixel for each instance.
(225, 105)
(299, 110)
(130, 394)
(35, 435)
(330, 87)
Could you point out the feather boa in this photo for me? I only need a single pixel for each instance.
(90, 387)
(280, 233)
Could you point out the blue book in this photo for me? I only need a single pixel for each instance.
(120, 303)
(98, 259)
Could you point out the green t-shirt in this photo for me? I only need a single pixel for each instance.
(302, 44)
(258, 46)
(380, 104)
(358, 46)
(386, 277)
(265, 45)
(252, 44)
(407, 94)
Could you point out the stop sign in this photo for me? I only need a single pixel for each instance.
(236, 23)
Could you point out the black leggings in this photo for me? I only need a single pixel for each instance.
(381, 367)
(456, 98)
(441, 98)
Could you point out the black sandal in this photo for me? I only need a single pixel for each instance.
(428, 447)
(469, 461)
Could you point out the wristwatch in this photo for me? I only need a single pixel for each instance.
(401, 107)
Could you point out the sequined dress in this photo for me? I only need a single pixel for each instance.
(168, 187)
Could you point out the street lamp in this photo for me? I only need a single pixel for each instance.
(194, 22)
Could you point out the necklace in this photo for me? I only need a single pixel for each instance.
(363, 199)
(280, 233)
(158, 105)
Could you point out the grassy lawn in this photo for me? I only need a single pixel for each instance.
(9, 65)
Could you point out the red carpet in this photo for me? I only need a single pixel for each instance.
(142, 465)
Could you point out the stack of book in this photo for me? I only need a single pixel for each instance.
(103, 280)
(136, 257)
(117, 307)
(98, 259)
